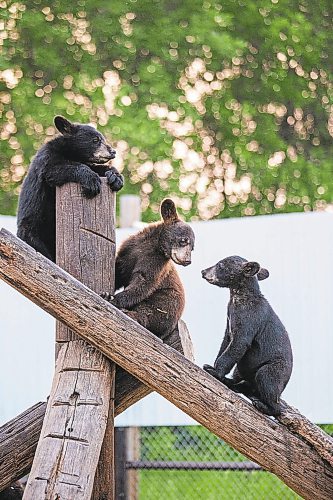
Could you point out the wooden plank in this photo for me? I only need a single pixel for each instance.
(86, 249)
(260, 438)
(19, 437)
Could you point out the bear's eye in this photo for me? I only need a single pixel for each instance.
(183, 241)
(96, 140)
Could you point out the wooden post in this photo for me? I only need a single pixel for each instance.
(127, 448)
(85, 249)
(133, 453)
(120, 463)
(129, 210)
(305, 468)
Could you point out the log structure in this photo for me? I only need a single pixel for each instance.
(19, 437)
(262, 439)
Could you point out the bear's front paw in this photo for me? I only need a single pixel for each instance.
(228, 382)
(107, 296)
(118, 302)
(114, 179)
(91, 185)
(211, 370)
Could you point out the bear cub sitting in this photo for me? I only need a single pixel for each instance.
(153, 294)
(255, 341)
(80, 154)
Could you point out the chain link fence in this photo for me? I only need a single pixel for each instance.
(189, 463)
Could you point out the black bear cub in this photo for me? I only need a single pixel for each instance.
(153, 294)
(80, 154)
(255, 341)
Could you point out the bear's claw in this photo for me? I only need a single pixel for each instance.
(211, 370)
(107, 296)
(91, 186)
(114, 179)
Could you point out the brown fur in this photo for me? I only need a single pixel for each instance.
(153, 293)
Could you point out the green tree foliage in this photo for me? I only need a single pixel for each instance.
(225, 106)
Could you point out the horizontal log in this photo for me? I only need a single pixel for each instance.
(18, 442)
(260, 438)
(19, 437)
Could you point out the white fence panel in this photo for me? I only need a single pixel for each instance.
(298, 251)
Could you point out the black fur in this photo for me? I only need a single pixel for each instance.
(80, 154)
(255, 341)
(13, 492)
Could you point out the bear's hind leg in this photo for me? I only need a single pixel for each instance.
(238, 384)
(242, 387)
(35, 242)
(269, 389)
(137, 316)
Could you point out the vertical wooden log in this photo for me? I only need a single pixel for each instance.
(93, 264)
(78, 428)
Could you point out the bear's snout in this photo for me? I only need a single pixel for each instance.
(112, 153)
(209, 274)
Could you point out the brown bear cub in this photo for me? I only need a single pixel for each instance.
(255, 341)
(153, 294)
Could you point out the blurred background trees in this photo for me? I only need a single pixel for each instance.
(225, 106)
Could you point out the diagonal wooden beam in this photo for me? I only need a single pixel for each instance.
(19, 436)
(260, 438)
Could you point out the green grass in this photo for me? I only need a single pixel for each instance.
(211, 485)
(195, 443)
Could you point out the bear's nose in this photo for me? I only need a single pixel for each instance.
(203, 273)
(186, 262)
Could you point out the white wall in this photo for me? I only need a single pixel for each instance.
(296, 248)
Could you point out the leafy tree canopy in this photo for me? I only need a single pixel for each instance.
(226, 106)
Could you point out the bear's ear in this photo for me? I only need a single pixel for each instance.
(169, 211)
(250, 269)
(262, 274)
(64, 126)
